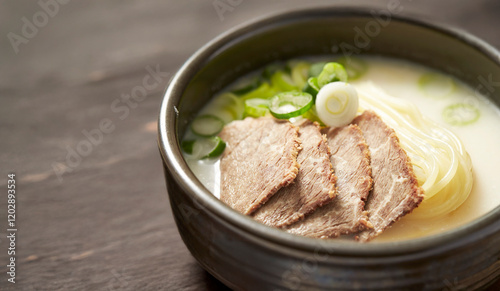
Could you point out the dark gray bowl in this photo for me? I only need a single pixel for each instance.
(247, 255)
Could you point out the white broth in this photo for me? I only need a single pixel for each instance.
(480, 138)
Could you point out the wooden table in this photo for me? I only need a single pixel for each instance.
(92, 209)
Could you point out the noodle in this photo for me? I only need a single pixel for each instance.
(442, 166)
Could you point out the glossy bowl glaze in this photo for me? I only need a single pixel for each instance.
(246, 255)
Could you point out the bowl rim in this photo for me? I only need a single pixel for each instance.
(174, 162)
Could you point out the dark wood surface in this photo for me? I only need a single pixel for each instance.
(104, 222)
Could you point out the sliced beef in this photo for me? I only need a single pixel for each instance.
(351, 162)
(395, 188)
(260, 158)
(313, 187)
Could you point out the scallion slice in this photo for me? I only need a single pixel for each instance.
(300, 73)
(337, 104)
(332, 72)
(312, 114)
(316, 69)
(312, 87)
(256, 107)
(204, 148)
(281, 82)
(461, 114)
(246, 85)
(187, 146)
(436, 85)
(263, 91)
(354, 67)
(207, 125)
(290, 104)
(226, 106)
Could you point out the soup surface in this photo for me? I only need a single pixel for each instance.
(433, 94)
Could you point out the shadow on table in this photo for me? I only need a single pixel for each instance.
(212, 283)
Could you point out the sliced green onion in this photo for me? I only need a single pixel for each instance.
(337, 104)
(316, 69)
(246, 85)
(312, 115)
(263, 91)
(290, 64)
(461, 114)
(300, 73)
(187, 146)
(436, 85)
(256, 107)
(225, 106)
(225, 114)
(290, 104)
(236, 113)
(354, 67)
(234, 104)
(332, 72)
(207, 125)
(204, 148)
(312, 87)
(282, 81)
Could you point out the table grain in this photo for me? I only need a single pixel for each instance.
(92, 211)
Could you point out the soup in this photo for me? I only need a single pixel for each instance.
(443, 100)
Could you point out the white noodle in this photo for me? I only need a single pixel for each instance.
(442, 166)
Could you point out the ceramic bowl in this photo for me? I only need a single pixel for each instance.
(246, 255)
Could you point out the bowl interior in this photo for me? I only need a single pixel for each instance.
(313, 33)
